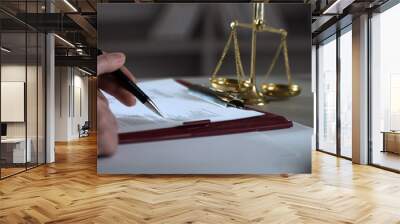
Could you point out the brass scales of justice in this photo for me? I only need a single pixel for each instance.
(245, 87)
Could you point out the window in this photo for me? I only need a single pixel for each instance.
(385, 89)
(327, 96)
(335, 74)
(346, 92)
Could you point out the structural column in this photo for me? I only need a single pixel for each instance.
(360, 90)
(50, 92)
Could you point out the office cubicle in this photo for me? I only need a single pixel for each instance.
(22, 90)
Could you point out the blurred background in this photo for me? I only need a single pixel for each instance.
(176, 40)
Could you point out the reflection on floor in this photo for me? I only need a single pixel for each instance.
(70, 191)
(14, 169)
(346, 152)
(10, 171)
(387, 159)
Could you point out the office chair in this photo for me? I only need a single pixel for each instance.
(84, 130)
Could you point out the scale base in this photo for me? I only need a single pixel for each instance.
(252, 97)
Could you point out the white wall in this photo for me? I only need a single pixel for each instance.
(81, 100)
(61, 104)
(71, 94)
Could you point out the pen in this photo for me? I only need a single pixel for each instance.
(134, 89)
(219, 98)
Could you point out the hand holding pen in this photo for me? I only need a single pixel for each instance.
(107, 125)
(106, 65)
(129, 85)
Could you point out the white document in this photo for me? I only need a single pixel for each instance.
(177, 105)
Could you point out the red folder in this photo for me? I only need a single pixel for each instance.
(267, 121)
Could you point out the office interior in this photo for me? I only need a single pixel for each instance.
(46, 97)
(355, 82)
(355, 67)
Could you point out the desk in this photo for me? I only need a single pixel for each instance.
(13, 150)
(276, 151)
(391, 141)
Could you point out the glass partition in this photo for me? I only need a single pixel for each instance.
(32, 98)
(22, 88)
(14, 153)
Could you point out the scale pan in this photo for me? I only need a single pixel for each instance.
(221, 84)
(280, 90)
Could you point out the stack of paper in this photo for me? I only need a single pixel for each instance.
(177, 105)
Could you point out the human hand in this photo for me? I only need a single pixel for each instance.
(106, 122)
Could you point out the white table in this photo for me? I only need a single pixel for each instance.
(20, 155)
(269, 152)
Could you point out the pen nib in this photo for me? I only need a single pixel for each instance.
(152, 106)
